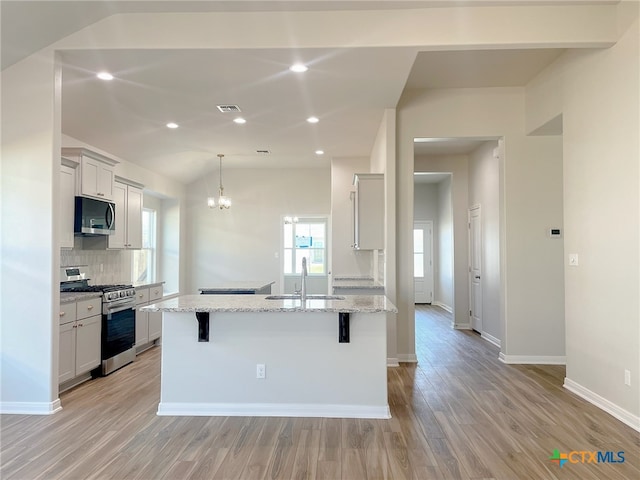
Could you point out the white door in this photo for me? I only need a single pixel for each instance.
(475, 268)
(305, 237)
(423, 261)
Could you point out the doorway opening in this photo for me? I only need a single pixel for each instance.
(454, 180)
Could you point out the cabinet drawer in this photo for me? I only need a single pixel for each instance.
(88, 308)
(155, 293)
(142, 295)
(67, 312)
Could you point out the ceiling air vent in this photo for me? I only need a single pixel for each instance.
(263, 152)
(228, 108)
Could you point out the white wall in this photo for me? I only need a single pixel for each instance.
(484, 190)
(443, 288)
(30, 258)
(241, 243)
(600, 108)
(426, 202)
(532, 329)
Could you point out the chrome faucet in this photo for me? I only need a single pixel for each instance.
(303, 280)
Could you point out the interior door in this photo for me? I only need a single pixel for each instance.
(423, 261)
(475, 268)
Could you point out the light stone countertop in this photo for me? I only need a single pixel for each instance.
(70, 297)
(259, 303)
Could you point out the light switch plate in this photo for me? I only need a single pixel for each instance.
(573, 259)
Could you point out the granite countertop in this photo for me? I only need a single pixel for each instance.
(70, 297)
(259, 303)
(356, 282)
(249, 286)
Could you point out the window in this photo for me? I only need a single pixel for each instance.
(306, 238)
(143, 268)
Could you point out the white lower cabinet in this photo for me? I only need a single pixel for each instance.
(80, 337)
(148, 324)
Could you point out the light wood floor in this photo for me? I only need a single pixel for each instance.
(458, 414)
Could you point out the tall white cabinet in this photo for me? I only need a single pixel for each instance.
(368, 211)
(128, 199)
(67, 202)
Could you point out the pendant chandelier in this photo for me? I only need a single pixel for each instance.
(222, 201)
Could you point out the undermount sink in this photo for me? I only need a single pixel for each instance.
(309, 297)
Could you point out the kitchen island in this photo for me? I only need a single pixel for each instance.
(318, 358)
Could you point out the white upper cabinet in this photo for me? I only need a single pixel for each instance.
(368, 211)
(97, 175)
(128, 200)
(67, 203)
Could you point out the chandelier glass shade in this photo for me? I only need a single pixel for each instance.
(222, 202)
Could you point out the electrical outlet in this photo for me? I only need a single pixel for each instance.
(261, 370)
(627, 377)
(573, 259)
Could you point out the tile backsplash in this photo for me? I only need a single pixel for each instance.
(103, 266)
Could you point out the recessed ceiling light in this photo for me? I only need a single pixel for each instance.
(104, 76)
(319, 152)
(313, 120)
(172, 125)
(298, 68)
(239, 120)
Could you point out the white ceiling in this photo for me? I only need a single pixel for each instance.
(346, 88)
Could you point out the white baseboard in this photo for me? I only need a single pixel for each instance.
(443, 306)
(491, 339)
(461, 326)
(532, 359)
(392, 362)
(602, 403)
(272, 410)
(407, 358)
(30, 408)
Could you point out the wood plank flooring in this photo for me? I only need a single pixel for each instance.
(458, 414)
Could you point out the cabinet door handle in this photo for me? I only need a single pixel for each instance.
(140, 295)
(81, 325)
(75, 326)
(90, 307)
(62, 314)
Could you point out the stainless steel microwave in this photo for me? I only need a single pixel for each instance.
(94, 217)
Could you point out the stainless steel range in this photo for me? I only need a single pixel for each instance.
(118, 317)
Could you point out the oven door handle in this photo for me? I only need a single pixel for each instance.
(120, 309)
